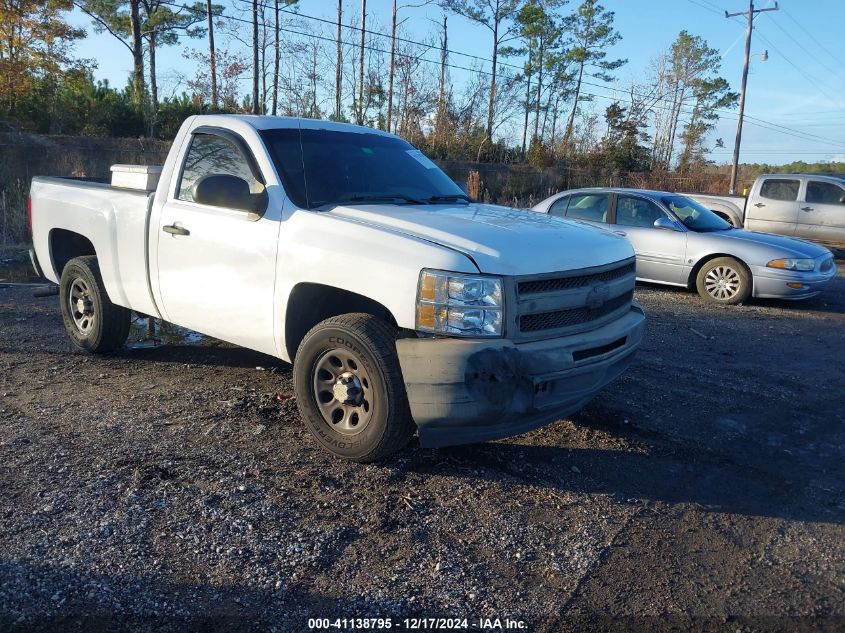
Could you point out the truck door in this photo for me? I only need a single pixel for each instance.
(216, 265)
(775, 207)
(822, 215)
(660, 252)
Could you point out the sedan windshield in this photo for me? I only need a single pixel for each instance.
(694, 216)
(326, 167)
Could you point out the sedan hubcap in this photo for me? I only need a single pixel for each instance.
(722, 282)
(343, 391)
(81, 304)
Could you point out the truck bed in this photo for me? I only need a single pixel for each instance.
(114, 221)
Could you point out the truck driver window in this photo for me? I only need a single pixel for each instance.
(780, 189)
(211, 154)
(824, 192)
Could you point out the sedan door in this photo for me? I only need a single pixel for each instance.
(661, 252)
(822, 215)
(775, 207)
(217, 265)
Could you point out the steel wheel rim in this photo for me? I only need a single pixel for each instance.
(722, 282)
(81, 305)
(343, 391)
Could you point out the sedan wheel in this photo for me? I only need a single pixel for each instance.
(724, 280)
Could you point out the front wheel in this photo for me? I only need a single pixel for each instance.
(349, 388)
(724, 280)
(92, 321)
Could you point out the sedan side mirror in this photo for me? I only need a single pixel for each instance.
(231, 192)
(665, 223)
(842, 200)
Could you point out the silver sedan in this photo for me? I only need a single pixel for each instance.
(681, 243)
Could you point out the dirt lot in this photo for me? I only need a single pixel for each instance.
(168, 487)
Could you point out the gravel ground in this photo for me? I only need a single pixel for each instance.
(174, 487)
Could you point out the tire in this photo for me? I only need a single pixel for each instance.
(349, 388)
(92, 321)
(724, 280)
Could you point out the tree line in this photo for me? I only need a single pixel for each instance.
(536, 95)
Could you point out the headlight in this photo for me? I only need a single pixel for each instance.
(793, 264)
(458, 304)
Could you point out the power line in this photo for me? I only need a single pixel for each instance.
(812, 80)
(385, 35)
(813, 38)
(755, 121)
(798, 43)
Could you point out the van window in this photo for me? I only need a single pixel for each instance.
(780, 189)
(824, 192)
(588, 206)
(210, 154)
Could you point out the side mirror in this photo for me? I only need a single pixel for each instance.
(842, 200)
(231, 192)
(665, 223)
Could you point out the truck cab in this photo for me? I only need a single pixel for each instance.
(403, 305)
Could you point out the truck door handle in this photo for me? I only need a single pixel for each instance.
(759, 204)
(622, 233)
(806, 208)
(175, 230)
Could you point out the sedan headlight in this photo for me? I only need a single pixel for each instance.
(793, 264)
(458, 304)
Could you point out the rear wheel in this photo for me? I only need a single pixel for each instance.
(92, 321)
(349, 388)
(724, 280)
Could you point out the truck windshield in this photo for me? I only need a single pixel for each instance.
(694, 216)
(325, 167)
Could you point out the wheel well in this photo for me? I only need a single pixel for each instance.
(700, 263)
(66, 245)
(724, 216)
(311, 303)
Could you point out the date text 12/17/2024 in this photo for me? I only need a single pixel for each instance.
(418, 624)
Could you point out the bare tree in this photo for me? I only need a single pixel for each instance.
(498, 17)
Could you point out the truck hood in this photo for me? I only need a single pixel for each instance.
(500, 240)
(780, 245)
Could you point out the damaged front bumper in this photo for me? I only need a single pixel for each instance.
(468, 390)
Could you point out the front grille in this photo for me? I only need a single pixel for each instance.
(565, 283)
(826, 265)
(572, 316)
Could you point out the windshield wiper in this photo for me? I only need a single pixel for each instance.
(453, 197)
(387, 197)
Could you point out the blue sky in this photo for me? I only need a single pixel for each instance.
(796, 97)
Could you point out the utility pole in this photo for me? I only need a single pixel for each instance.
(338, 64)
(360, 113)
(255, 57)
(211, 54)
(750, 17)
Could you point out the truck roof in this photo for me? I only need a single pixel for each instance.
(828, 175)
(267, 122)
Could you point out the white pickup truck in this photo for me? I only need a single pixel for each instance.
(401, 303)
(807, 206)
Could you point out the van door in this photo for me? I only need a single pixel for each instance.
(775, 207)
(217, 265)
(822, 215)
